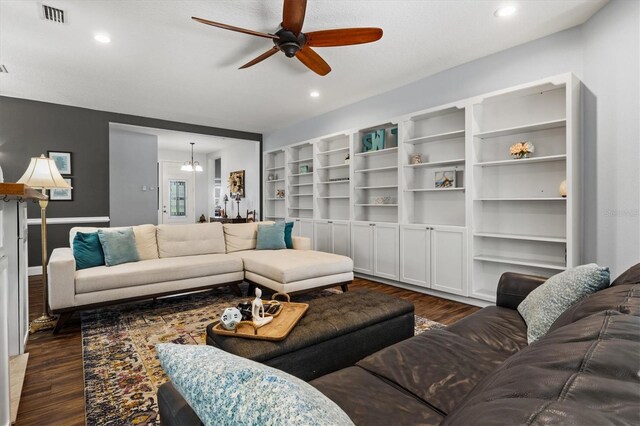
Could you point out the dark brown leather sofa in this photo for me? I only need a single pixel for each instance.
(480, 370)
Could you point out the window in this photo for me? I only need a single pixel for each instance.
(177, 198)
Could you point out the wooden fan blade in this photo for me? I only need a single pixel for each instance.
(313, 61)
(261, 58)
(343, 37)
(232, 28)
(293, 15)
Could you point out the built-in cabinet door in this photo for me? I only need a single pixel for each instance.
(386, 251)
(362, 247)
(448, 260)
(322, 236)
(340, 237)
(303, 228)
(415, 255)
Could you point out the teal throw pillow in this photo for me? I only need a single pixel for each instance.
(288, 230)
(547, 302)
(119, 246)
(224, 389)
(271, 237)
(87, 250)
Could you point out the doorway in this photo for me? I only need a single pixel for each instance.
(177, 194)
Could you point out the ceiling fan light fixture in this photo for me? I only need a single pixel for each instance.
(504, 11)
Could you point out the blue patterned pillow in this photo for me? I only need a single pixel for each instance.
(224, 389)
(271, 237)
(119, 246)
(546, 303)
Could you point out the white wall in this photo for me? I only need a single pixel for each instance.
(603, 53)
(202, 182)
(241, 155)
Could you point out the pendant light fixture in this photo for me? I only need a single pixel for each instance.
(190, 166)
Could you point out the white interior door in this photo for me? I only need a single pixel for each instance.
(177, 204)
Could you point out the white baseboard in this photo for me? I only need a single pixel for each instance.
(417, 289)
(35, 270)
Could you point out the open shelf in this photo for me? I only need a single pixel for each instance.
(377, 169)
(274, 168)
(545, 125)
(334, 181)
(376, 205)
(335, 166)
(334, 151)
(301, 195)
(435, 163)
(434, 189)
(377, 187)
(517, 261)
(523, 199)
(275, 199)
(275, 180)
(335, 197)
(301, 184)
(520, 237)
(546, 158)
(378, 152)
(435, 138)
(300, 174)
(304, 160)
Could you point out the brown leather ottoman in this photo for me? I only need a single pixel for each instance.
(336, 332)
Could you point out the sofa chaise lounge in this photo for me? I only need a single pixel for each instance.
(480, 370)
(182, 258)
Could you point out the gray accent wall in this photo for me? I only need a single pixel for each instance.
(133, 178)
(30, 128)
(604, 54)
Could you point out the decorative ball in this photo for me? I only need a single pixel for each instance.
(563, 188)
(230, 318)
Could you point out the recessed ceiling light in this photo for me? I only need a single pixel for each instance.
(504, 11)
(102, 38)
(314, 94)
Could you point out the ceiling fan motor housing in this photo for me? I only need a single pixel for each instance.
(289, 43)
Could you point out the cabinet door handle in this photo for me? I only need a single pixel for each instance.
(329, 221)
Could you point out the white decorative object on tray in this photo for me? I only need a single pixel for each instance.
(230, 318)
(257, 311)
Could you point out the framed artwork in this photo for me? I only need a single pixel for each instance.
(62, 194)
(445, 178)
(236, 183)
(62, 160)
(304, 169)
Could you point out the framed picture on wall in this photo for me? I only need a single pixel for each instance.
(236, 183)
(62, 194)
(62, 160)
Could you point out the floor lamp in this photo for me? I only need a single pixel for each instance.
(43, 174)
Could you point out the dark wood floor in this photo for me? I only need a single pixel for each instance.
(53, 392)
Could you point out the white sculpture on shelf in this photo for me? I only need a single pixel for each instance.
(257, 311)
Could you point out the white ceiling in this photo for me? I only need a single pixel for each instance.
(169, 140)
(162, 64)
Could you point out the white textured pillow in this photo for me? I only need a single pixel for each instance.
(241, 236)
(146, 241)
(190, 240)
(224, 389)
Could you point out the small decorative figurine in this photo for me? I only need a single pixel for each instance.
(563, 189)
(347, 159)
(279, 193)
(270, 177)
(257, 311)
(416, 159)
(230, 318)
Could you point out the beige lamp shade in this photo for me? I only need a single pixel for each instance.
(42, 173)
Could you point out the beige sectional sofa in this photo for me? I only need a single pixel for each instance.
(182, 258)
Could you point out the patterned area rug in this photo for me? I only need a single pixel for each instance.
(121, 371)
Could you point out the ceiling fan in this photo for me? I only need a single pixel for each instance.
(293, 42)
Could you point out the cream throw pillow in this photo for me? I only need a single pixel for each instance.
(145, 235)
(241, 236)
(190, 240)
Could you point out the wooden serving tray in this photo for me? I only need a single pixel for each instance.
(278, 329)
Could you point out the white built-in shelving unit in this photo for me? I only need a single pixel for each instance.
(274, 180)
(501, 214)
(299, 175)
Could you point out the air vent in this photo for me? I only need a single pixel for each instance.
(3, 69)
(52, 14)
